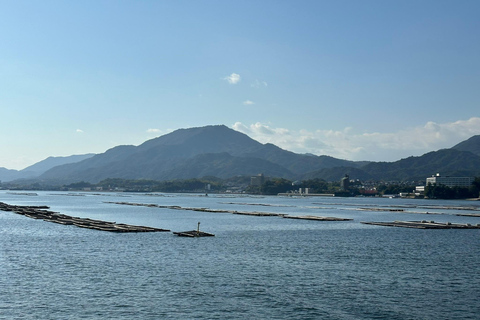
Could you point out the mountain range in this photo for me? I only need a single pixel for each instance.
(222, 152)
(39, 168)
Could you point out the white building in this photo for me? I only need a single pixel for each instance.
(450, 181)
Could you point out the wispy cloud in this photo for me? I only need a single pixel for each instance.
(234, 78)
(248, 102)
(373, 146)
(79, 131)
(155, 132)
(259, 84)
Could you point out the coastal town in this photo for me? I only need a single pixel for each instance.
(436, 186)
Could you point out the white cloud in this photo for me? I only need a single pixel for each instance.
(155, 132)
(79, 131)
(248, 102)
(373, 146)
(259, 84)
(234, 78)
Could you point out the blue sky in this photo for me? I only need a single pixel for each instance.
(359, 80)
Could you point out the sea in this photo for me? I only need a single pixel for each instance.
(256, 267)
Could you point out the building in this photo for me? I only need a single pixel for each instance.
(345, 183)
(304, 190)
(450, 181)
(420, 189)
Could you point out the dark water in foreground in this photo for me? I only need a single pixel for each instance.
(254, 268)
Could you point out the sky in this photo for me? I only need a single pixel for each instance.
(357, 80)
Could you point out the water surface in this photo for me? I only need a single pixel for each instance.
(254, 268)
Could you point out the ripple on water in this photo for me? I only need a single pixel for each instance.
(259, 268)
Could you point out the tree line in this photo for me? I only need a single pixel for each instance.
(444, 192)
(270, 186)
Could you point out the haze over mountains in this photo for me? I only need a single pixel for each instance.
(222, 152)
(38, 168)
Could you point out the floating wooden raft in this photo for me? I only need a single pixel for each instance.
(382, 209)
(194, 233)
(317, 218)
(50, 216)
(425, 225)
(469, 214)
(245, 213)
(258, 214)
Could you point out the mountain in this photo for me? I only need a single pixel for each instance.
(39, 168)
(224, 153)
(193, 153)
(336, 173)
(448, 162)
(45, 165)
(298, 163)
(9, 174)
(223, 165)
(472, 145)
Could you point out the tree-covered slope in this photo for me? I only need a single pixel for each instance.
(446, 162)
(180, 154)
(223, 152)
(472, 145)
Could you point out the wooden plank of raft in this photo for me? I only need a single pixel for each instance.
(193, 233)
(424, 225)
(50, 216)
(317, 218)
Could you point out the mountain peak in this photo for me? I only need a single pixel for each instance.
(223, 152)
(207, 139)
(181, 153)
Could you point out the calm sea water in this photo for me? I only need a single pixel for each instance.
(254, 268)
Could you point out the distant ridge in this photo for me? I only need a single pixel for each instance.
(223, 152)
(39, 168)
(193, 153)
(44, 165)
(446, 161)
(472, 145)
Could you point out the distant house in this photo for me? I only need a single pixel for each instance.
(420, 189)
(450, 181)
